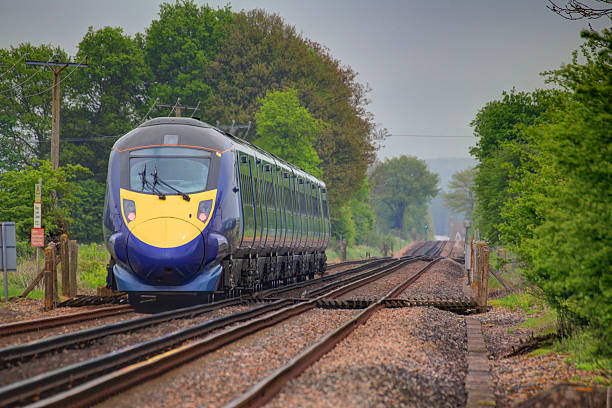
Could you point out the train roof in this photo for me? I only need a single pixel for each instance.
(162, 131)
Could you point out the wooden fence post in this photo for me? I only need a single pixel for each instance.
(74, 263)
(483, 288)
(65, 264)
(50, 265)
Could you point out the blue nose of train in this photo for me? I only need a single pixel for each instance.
(166, 265)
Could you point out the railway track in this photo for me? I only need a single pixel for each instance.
(39, 324)
(68, 377)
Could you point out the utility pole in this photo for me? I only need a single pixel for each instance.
(56, 67)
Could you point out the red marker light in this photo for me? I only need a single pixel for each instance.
(131, 216)
(202, 217)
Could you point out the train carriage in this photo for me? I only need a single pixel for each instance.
(190, 209)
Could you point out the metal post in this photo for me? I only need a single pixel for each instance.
(4, 267)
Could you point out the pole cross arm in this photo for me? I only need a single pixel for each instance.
(56, 64)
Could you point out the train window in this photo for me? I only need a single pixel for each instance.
(183, 169)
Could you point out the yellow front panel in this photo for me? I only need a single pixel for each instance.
(166, 223)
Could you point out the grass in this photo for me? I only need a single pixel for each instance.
(355, 252)
(91, 272)
(524, 301)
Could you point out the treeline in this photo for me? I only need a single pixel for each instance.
(544, 188)
(221, 61)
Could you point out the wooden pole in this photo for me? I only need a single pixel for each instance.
(74, 262)
(484, 287)
(65, 264)
(48, 271)
(55, 120)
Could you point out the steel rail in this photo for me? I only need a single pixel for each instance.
(37, 348)
(106, 383)
(266, 389)
(335, 276)
(37, 324)
(20, 352)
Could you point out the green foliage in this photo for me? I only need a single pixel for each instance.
(106, 99)
(92, 265)
(557, 219)
(288, 130)
(500, 125)
(460, 197)
(401, 189)
(25, 118)
(179, 47)
(87, 226)
(261, 54)
(362, 213)
(343, 225)
(17, 190)
(525, 301)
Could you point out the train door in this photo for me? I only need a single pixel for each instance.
(249, 214)
(270, 205)
(238, 182)
(259, 204)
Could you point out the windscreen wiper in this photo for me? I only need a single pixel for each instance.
(146, 182)
(156, 180)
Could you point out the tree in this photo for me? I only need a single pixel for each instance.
(461, 196)
(25, 104)
(179, 48)
(288, 130)
(106, 100)
(401, 189)
(500, 126)
(362, 213)
(558, 219)
(17, 190)
(576, 10)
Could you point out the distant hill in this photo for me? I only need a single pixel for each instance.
(445, 167)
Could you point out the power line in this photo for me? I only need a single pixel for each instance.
(14, 65)
(61, 80)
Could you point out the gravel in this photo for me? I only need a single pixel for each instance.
(52, 331)
(219, 377)
(443, 279)
(28, 309)
(103, 346)
(410, 357)
(382, 286)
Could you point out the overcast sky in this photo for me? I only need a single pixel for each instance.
(431, 64)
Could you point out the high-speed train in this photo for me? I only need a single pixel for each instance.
(190, 209)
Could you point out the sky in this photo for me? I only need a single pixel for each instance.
(431, 65)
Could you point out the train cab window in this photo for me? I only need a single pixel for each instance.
(176, 168)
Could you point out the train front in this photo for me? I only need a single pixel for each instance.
(162, 194)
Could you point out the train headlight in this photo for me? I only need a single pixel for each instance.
(129, 209)
(204, 209)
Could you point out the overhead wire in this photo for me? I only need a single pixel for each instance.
(146, 115)
(59, 82)
(14, 65)
(26, 80)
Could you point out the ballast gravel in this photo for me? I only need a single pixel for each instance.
(382, 286)
(221, 376)
(104, 345)
(409, 357)
(444, 279)
(27, 337)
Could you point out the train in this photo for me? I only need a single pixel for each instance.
(191, 209)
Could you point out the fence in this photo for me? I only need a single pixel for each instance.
(477, 269)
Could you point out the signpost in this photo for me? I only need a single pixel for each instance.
(8, 252)
(37, 234)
